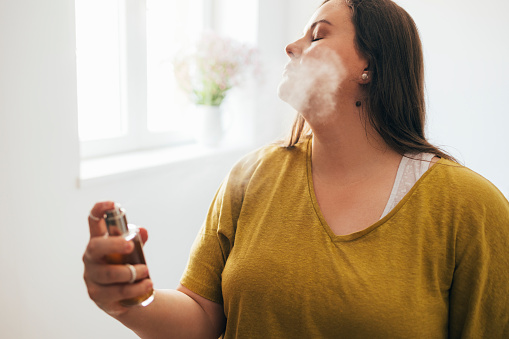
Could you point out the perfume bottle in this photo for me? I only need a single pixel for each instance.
(117, 225)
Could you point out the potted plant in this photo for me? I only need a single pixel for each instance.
(206, 72)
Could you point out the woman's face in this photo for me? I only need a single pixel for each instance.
(325, 68)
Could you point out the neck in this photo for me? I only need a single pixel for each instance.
(347, 150)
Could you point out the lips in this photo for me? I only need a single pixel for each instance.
(289, 68)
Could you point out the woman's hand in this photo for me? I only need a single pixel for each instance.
(108, 284)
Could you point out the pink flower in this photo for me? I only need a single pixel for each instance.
(215, 65)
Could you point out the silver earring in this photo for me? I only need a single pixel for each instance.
(364, 76)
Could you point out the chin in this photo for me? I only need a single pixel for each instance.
(291, 94)
(282, 90)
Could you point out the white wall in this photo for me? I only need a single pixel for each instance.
(43, 213)
(466, 52)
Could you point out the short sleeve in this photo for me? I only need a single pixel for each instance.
(479, 295)
(216, 237)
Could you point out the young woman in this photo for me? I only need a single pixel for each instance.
(356, 228)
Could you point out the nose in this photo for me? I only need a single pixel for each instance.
(293, 50)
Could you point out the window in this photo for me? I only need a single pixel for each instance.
(99, 69)
(127, 99)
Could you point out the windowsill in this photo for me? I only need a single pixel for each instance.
(96, 171)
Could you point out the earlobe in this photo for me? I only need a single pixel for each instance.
(365, 77)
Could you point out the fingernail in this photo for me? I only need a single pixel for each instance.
(129, 246)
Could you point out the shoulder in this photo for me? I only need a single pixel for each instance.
(264, 166)
(272, 157)
(462, 178)
(459, 186)
(257, 168)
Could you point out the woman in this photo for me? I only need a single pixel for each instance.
(357, 228)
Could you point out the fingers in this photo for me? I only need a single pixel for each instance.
(143, 234)
(108, 284)
(99, 247)
(95, 219)
(113, 274)
(104, 295)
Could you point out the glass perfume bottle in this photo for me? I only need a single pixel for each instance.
(117, 225)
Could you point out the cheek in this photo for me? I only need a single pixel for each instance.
(328, 71)
(315, 81)
(328, 64)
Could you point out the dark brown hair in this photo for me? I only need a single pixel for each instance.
(394, 106)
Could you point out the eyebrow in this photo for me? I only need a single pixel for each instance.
(319, 22)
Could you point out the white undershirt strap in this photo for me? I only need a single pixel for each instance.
(410, 170)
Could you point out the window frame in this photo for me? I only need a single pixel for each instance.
(133, 87)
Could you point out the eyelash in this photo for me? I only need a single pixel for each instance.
(316, 39)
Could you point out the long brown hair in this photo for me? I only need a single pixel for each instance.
(394, 106)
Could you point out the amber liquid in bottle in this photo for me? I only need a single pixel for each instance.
(117, 226)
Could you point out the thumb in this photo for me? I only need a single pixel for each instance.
(96, 222)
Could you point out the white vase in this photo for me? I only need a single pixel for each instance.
(209, 125)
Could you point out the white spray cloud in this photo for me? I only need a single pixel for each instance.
(313, 83)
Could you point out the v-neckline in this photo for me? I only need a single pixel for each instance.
(358, 234)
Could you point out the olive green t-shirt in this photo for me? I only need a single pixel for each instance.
(437, 266)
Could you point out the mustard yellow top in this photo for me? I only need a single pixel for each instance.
(437, 266)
